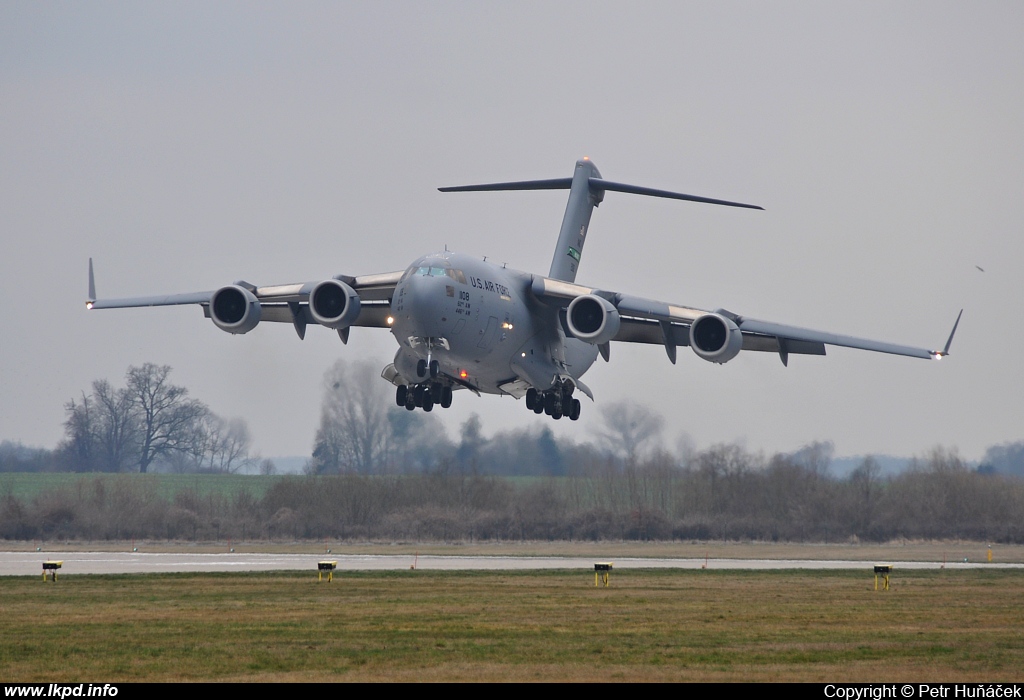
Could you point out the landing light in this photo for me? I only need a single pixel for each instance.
(390, 320)
(507, 326)
(88, 304)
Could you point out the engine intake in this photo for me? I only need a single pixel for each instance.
(715, 338)
(334, 304)
(235, 309)
(592, 319)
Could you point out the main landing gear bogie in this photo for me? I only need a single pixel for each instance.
(424, 396)
(556, 402)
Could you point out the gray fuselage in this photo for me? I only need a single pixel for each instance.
(483, 325)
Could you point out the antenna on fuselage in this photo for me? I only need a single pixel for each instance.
(586, 191)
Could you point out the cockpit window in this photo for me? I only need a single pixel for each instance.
(435, 271)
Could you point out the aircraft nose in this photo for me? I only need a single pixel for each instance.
(423, 305)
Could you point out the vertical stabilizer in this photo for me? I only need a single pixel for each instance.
(573, 234)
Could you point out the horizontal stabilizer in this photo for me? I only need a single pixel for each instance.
(596, 185)
(605, 185)
(586, 191)
(561, 183)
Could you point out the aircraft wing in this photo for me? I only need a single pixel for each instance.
(660, 323)
(283, 303)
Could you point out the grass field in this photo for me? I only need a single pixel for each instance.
(419, 625)
(28, 485)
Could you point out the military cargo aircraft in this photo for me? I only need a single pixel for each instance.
(465, 323)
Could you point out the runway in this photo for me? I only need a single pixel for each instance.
(30, 563)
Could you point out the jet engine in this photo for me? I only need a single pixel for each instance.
(592, 319)
(715, 338)
(334, 304)
(235, 309)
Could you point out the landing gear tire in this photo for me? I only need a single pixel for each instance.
(401, 394)
(550, 400)
(435, 392)
(531, 398)
(421, 369)
(428, 401)
(434, 368)
(446, 397)
(556, 412)
(418, 394)
(574, 412)
(538, 407)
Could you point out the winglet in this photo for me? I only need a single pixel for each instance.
(92, 287)
(937, 354)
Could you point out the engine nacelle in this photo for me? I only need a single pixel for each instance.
(715, 338)
(592, 319)
(235, 309)
(334, 304)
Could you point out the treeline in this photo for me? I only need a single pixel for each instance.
(721, 493)
(362, 431)
(147, 423)
(150, 424)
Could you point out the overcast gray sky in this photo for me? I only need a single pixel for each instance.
(188, 145)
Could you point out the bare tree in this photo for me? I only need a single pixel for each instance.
(79, 443)
(417, 441)
(151, 420)
(116, 427)
(101, 433)
(167, 417)
(816, 456)
(353, 431)
(628, 429)
(227, 443)
(866, 484)
(471, 443)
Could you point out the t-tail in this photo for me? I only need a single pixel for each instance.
(586, 191)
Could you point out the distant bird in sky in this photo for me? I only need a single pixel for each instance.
(980, 268)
